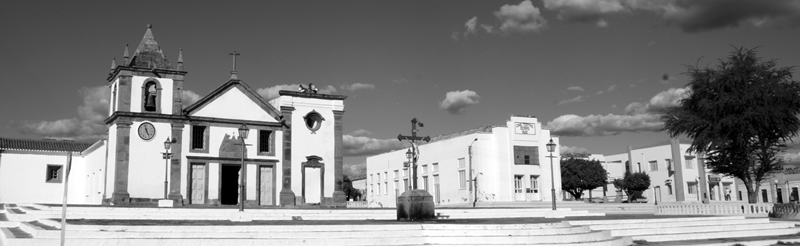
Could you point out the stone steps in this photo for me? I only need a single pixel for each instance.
(677, 230)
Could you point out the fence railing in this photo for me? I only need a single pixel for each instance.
(745, 209)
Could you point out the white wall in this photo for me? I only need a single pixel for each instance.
(221, 107)
(23, 177)
(305, 143)
(492, 161)
(659, 177)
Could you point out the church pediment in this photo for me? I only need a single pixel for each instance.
(234, 100)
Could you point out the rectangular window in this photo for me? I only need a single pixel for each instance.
(425, 183)
(669, 189)
(424, 168)
(385, 176)
(386, 188)
(379, 189)
(692, 187)
(534, 184)
(689, 164)
(462, 179)
(371, 179)
(371, 191)
(54, 174)
(435, 167)
(396, 173)
(405, 172)
(405, 185)
(199, 137)
(396, 187)
(669, 164)
(265, 140)
(526, 155)
(653, 166)
(461, 163)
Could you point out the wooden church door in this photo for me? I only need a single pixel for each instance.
(265, 185)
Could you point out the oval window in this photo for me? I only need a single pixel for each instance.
(313, 121)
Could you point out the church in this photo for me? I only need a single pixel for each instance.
(230, 146)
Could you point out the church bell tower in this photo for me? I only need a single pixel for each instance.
(144, 100)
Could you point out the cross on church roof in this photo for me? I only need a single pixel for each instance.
(233, 72)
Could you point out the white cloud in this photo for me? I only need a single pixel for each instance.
(360, 133)
(603, 125)
(611, 88)
(366, 146)
(87, 126)
(584, 11)
(575, 88)
(456, 102)
(488, 28)
(522, 18)
(400, 81)
(470, 25)
(563, 149)
(188, 98)
(640, 117)
(270, 93)
(659, 102)
(358, 86)
(571, 100)
(355, 170)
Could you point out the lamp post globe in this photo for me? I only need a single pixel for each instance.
(550, 148)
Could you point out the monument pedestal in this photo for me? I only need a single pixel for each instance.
(415, 205)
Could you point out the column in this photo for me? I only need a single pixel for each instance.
(120, 194)
(175, 164)
(677, 164)
(339, 198)
(287, 195)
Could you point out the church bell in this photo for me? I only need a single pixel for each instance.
(150, 104)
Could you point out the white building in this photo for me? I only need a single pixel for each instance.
(295, 153)
(508, 161)
(675, 174)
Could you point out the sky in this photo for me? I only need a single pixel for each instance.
(597, 73)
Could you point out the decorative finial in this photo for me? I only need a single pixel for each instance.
(149, 26)
(180, 60)
(233, 72)
(125, 56)
(113, 64)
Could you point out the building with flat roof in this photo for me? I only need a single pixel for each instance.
(498, 163)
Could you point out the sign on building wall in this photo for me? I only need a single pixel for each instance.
(525, 128)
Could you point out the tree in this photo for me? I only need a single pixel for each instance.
(740, 114)
(578, 175)
(349, 191)
(633, 184)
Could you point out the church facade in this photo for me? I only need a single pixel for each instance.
(292, 151)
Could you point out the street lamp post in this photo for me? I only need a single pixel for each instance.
(243, 131)
(166, 156)
(550, 148)
(475, 178)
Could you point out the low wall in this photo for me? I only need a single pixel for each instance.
(743, 209)
(786, 211)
